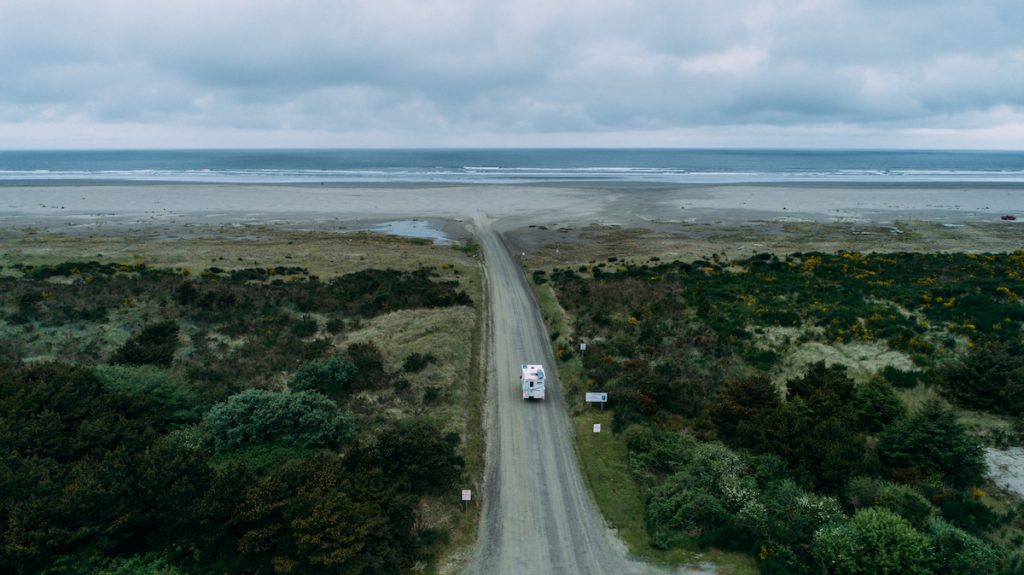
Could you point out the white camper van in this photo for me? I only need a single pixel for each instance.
(533, 381)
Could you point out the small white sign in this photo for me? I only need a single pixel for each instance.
(597, 428)
(598, 397)
(467, 495)
(583, 347)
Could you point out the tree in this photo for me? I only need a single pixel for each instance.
(873, 542)
(257, 417)
(932, 442)
(990, 377)
(877, 404)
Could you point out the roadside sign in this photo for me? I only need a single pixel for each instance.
(583, 347)
(467, 495)
(597, 428)
(598, 397)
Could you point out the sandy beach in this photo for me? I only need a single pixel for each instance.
(577, 204)
(557, 223)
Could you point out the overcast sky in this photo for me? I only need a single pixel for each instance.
(468, 73)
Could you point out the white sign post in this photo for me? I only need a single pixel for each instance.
(467, 496)
(597, 428)
(583, 347)
(597, 397)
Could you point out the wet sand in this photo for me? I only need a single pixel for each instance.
(739, 217)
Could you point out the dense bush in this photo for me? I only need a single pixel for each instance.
(416, 361)
(169, 391)
(416, 452)
(154, 345)
(903, 500)
(955, 552)
(874, 541)
(258, 417)
(331, 376)
(243, 326)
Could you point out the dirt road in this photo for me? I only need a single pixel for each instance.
(538, 516)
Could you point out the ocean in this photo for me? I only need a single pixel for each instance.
(512, 166)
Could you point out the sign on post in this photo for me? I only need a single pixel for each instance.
(467, 495)
(583, 347)
(597, 428)
(597, 397)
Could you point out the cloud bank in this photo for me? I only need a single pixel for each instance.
(123, 73)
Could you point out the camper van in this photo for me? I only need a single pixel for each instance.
(533, 381)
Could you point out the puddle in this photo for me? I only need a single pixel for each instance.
(420, 229)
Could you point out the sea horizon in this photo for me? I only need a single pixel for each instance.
(513, 166)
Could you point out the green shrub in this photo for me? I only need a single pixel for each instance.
(258, 417)
(873, 542)
(416, 451)
(416, 361)
(335, 325)
(305, 326)
(955, 552)
(331, 376)
(903, 500)
(901, 378)
(369, 360)
(154, 345)
(169, 391)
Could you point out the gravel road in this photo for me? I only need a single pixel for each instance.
(538, 516)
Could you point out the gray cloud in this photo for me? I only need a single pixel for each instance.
(440, 70)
